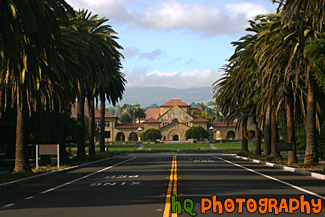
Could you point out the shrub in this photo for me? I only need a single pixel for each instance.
(150, 135)
(197, 132)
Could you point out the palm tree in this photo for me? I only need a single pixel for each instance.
(294, 13)
(104, 58)
(236, 93)
(300, 19)
(28, 39)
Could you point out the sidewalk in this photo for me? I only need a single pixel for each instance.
(285, 168)
(213, 146)
(141, 147)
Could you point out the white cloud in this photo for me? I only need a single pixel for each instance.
(130, 52)
(248, 10)
(152, 55)
(175, 60)
(175, 79)
(173, 15)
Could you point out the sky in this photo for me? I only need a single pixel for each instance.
(176, 43)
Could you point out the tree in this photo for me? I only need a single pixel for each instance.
(315, 54)
(130, 113)
(150, 135)
(307, 18)
(197, 133)
(29, 36)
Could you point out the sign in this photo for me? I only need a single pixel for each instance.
(247, 134)
(48, 149)
(283, 146)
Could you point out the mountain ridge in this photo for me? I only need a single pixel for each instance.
(145, 96)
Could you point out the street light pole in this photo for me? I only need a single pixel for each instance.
(139, 130)
(211, 131)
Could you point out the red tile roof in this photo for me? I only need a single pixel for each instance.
(197, 109)
(151, 120)
(153, 113)
(97, 112)
(223, 124)
(174, 102)
(130, 126)
(199, 120)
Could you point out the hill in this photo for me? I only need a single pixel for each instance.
(145, 96)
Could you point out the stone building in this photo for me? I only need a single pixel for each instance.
(173, 119)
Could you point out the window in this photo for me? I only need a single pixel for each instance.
(108, 134)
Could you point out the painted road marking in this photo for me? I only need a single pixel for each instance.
(104, 184)
(203, 161)
(274, 179)
(121, 177)
(86, 176)
(28, 198)
(9, 205)
(172, 184)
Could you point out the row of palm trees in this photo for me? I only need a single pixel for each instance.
(49, 56)
(277, 73)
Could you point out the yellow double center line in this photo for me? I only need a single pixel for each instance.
(171, 186)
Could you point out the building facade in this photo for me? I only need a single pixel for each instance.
(173, 119)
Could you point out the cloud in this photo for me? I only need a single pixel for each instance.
(140, 77)
(175, 60)
(189, 62)
(130, 52)
(248, 10)
(173, 15)
(152, 55)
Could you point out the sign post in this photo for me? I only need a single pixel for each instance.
(247, 134)
(282, 147)
(48, 149)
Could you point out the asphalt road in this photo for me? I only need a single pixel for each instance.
(142, 185)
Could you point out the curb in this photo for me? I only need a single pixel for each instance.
(37, 177)
(285, 168)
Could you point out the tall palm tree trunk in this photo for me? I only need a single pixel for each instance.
(81, 123)
(244, 140)
(257, 142)
(274, 131)
(44, 129)
(102, 122)
(91, 116)
(64, 156)
(292, 155)
(22, 158)
(311, 147)
(267, 133)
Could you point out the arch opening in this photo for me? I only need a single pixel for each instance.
(175, 137)
(120, 137)
(231, 135)
(133, 137)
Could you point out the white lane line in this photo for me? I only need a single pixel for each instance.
(9, 205)
(28, 198)
(86, 176)
(275, 179)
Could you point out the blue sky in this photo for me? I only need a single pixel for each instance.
(176, 43)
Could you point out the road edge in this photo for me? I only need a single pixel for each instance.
(33, 178)
(285, 168)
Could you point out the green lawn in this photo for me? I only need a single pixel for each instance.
(234, 145)
(174, 147)
(118, 148)
(111, 148)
